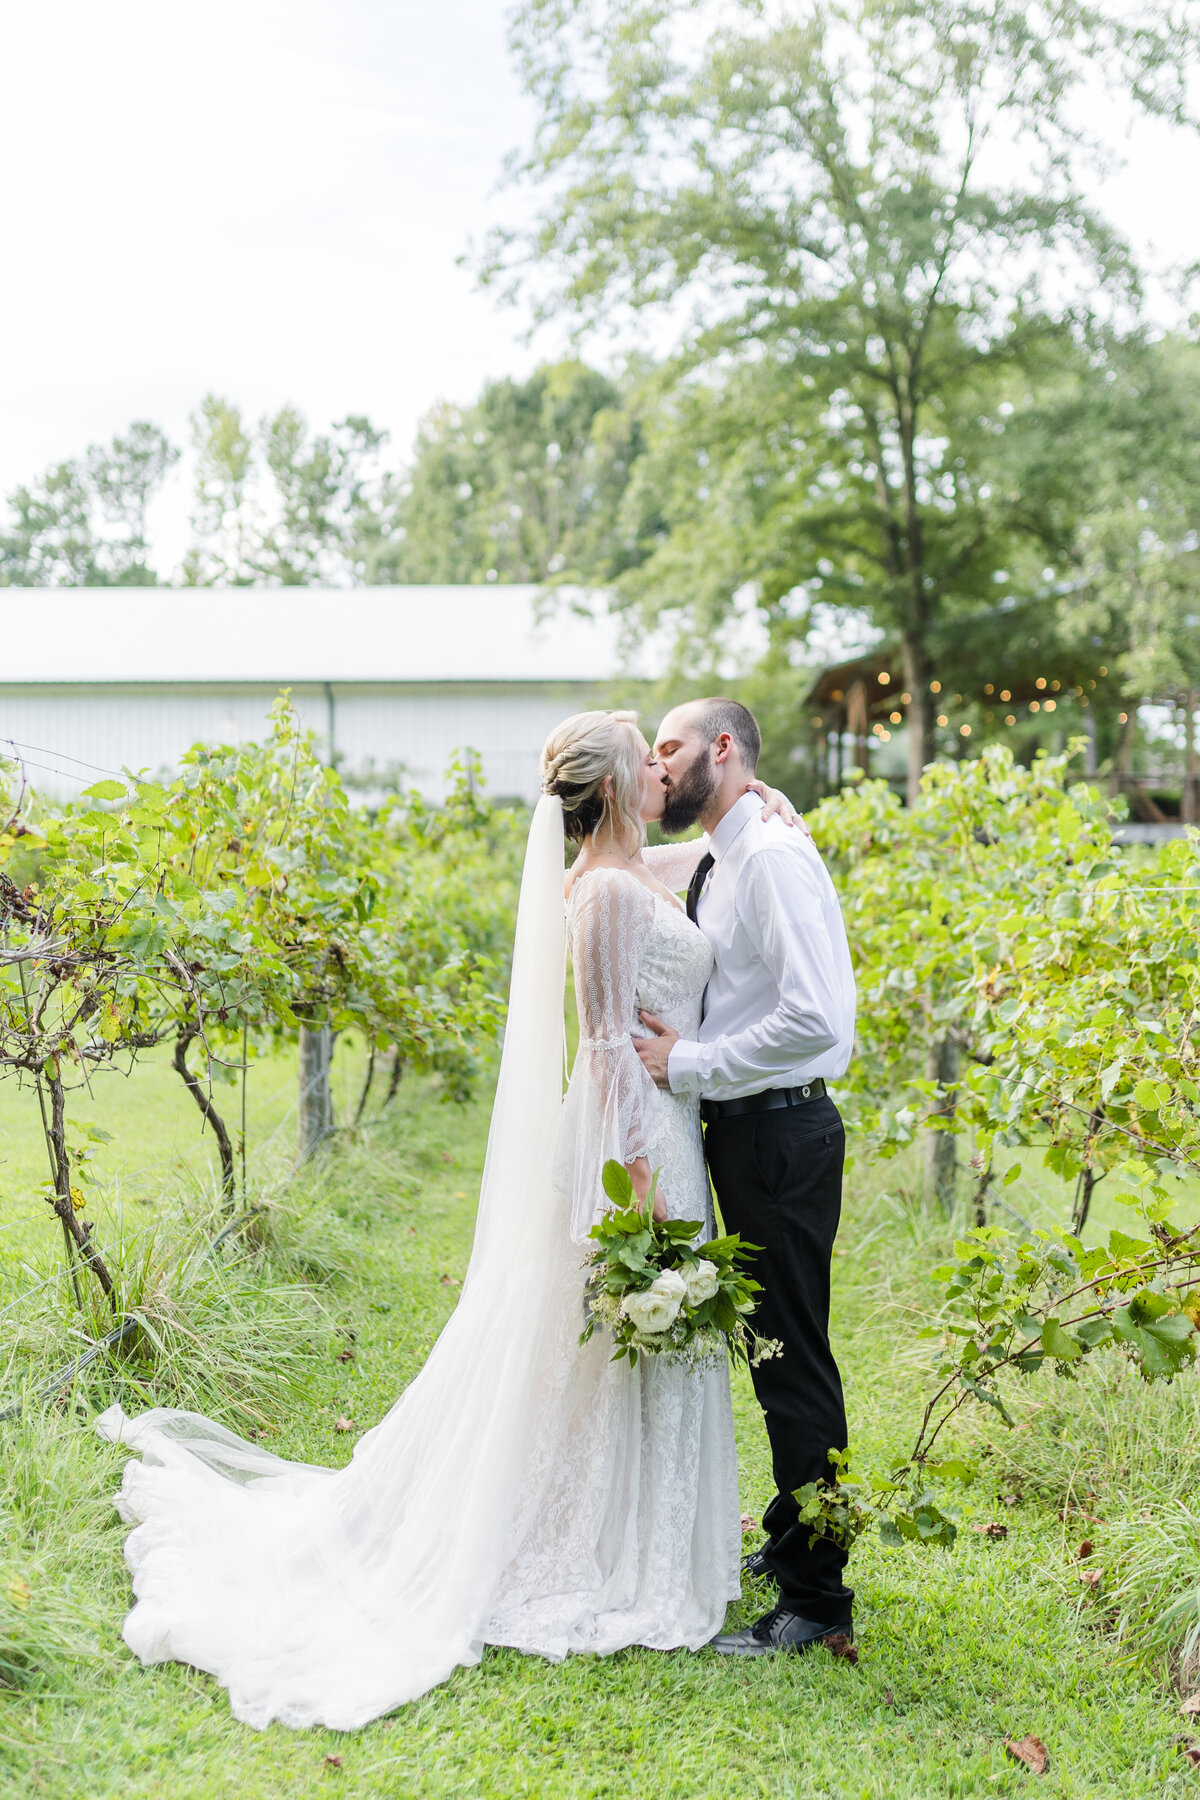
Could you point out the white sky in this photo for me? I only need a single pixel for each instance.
(266, 199)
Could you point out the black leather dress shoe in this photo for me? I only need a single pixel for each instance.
(756, 1566)
(779, 1631)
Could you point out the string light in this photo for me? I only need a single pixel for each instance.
(1009, 719)
(1035, 706)
(1122, 718)
(906, 699)
(1050, 705)
(1005, 695)
(935, 687)
(942, 719)
(965, 730)
(1040, 682)
(988, 688)
(884, 678)
(894, 718)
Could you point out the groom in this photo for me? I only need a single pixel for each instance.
(778, 1022)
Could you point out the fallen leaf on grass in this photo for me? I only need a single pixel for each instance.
(450, 1281)
(838, 1644)
(1191, 1707)
(889, 1699)
(1091, 1578)
(748, 1524)
(995, 1529)
(346, 1355)
(1030, 1752)
(412, 1231)
(343, 1424)
(447, 1156)
(1010, 1499)
(1085, 1549)
(1190, 1749)
(333, 1762)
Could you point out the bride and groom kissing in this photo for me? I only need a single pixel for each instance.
(525, 1489)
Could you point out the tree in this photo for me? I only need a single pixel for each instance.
(285, 506)
(83, 523)
(524, 485)
(826, 195)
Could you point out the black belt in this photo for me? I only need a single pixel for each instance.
(770, 1100)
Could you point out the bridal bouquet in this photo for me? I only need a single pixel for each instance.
(659, 1293)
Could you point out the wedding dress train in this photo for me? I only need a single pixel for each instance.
(523, 1490)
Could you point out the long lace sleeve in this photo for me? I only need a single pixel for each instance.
(675, 864)
(610, 1096)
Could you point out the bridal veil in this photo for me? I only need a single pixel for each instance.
(328, 1597)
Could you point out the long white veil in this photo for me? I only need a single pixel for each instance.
(329, 1597)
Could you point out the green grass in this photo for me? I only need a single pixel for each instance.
(959, 1649)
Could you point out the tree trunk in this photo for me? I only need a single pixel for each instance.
(1088, 1179)
(941, 1147)
(920, 713)
(316, 1098)
(979, 1201)
(366, 1086)
(76, 1230)
(394, 1082)
(208, 1111)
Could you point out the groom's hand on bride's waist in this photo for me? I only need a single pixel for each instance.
(655, 1051)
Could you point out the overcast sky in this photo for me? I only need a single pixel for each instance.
(267, 200)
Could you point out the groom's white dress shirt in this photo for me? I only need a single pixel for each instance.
(779, 1006)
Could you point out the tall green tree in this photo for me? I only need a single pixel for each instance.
(524, 485)
(285, 505)
(867, 218)
(83, 523)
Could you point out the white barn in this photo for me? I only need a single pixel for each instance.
(101, 679)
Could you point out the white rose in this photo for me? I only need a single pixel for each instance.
(701, 1282)
(656, 1308)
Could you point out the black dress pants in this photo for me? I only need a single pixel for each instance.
(778, 1177)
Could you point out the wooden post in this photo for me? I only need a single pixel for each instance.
(1191, 771)
(941, 1147)
(316, 1098)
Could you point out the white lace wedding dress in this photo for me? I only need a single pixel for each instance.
(523, 1490)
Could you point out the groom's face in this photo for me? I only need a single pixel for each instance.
(687, 764)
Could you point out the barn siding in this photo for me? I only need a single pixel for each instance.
(58, 730)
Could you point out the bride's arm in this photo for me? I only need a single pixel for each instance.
(610, 918)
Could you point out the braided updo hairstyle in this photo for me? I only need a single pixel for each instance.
(593, 762)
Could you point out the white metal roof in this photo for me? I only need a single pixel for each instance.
(304, 634)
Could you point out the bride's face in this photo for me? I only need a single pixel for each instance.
(654, 790)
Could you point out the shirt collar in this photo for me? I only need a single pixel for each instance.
(724, 835)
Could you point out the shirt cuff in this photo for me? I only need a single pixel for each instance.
(683, 1074)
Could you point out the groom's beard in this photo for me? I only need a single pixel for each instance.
(688, 796)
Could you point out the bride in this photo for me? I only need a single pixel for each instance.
(523, 1490)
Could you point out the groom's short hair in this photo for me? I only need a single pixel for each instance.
(718, 714)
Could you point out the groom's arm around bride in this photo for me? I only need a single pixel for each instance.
(778, 1023)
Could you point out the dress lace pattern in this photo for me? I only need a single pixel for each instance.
(633, 1537)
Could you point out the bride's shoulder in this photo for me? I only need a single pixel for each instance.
(604, 884)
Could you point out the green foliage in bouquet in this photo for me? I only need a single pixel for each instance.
(658, 1292)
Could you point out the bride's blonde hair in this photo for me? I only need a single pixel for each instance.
(593, 762)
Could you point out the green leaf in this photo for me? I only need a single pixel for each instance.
(617, 1183)
(106, 790)
(1058, 1343)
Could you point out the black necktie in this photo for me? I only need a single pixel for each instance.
(697, 882)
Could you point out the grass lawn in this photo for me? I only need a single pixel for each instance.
(958, 1650)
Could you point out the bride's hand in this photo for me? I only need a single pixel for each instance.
(641, 1176)
(777, 802)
